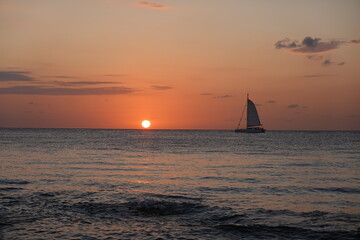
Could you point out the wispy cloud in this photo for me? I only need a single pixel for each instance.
(324, 62)
(54, 87)
(158, 87)
(36, 90)
(224, 96)
(315, 57)
(152, 5)
(293, 106)
(356, 41)
(308, 45)
(73, 77)
(79, 83)
(271, 102)
(206, 94)
(15, 76)
(296, 106)
(61, 76)
(328, 62)
(113, 75)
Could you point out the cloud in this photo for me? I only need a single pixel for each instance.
(293, 106)
(206, 94)
(157, 87)
(271, 102)
(308, 45)
(224, 96)
(61, 83)
(152, 5)
(61, 76)
(357, 41)
(328, 62)
(35, 90)
(73, 77)
(315, 57)
(113, 75)
(313, 46)
(286, 43)
(15, 76)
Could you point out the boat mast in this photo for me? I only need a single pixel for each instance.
(247, 111)
(242, 114)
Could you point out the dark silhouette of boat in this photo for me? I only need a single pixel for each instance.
(253, 124)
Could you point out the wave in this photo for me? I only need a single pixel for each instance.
(339, 190)
(6, 189)
(164, 208)
(179, 215)
(13, 181)
(145, 207)
(284, 232)
(163, 196)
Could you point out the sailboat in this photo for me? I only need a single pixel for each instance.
(253, 124)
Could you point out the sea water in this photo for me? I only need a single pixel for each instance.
(178, 184)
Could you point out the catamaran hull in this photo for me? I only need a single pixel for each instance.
(250, 130)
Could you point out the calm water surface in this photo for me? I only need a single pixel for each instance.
(168, 184)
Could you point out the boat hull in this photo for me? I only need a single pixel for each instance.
(250, 130)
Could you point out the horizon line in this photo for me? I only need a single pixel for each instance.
(180, 129)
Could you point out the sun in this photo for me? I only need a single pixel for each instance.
(145, 123)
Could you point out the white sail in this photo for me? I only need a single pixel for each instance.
(252, 115)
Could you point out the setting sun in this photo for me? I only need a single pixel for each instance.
(145, 123)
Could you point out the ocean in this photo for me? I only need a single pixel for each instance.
(178, 184)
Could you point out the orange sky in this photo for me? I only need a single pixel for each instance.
(180, 64)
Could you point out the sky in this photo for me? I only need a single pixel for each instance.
(180, 64)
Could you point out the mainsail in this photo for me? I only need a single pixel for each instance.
(253, 124)
(252, 115)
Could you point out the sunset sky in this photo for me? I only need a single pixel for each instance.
(180, 64)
